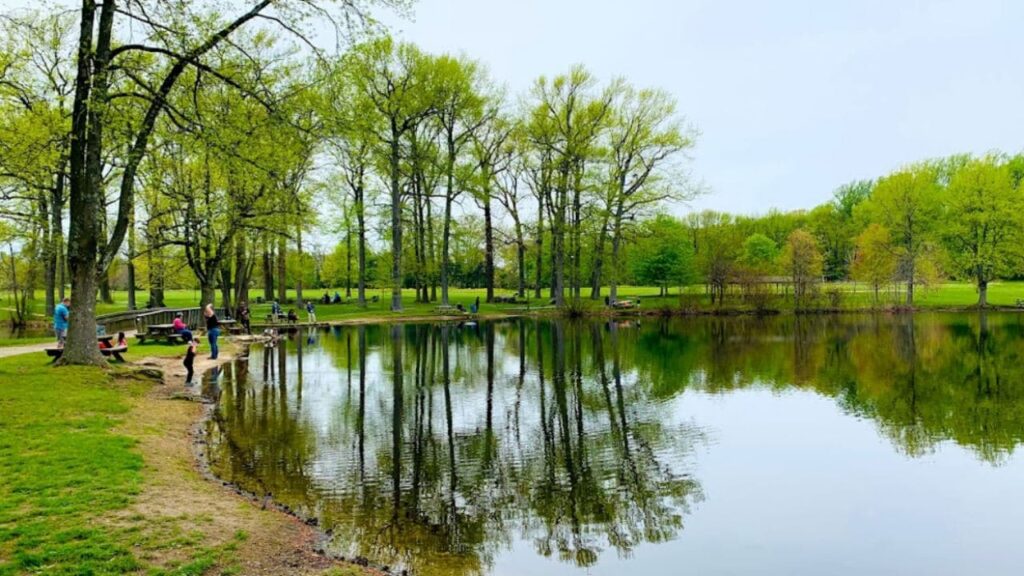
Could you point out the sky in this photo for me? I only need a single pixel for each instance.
(792, 98)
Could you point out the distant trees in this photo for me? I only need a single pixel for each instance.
(662, 256)
(907, 204)
(875, 259)
(803, 262)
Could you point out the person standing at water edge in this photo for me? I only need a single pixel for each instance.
(60, 321)
(243, 316)
(311, 310)
(212, 330)
(190, 358)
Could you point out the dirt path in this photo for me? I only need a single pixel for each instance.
(203, 522)
(26, 349)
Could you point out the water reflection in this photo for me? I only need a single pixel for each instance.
(438, 448)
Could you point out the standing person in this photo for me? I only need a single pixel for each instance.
(243, 316)
(212, 330)
(60, 321)
(311, 310)
(190, 358)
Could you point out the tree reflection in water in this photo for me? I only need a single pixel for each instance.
(436, 448)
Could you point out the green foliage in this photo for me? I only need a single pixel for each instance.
(760, 253)
(662, 256)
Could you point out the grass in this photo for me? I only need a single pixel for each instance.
(5, 342)
(96, 477)
(854, 296)
(63, 469)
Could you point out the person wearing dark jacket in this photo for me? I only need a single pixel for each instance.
(212, 330)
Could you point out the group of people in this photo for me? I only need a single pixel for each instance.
(212, 332)
(325, 299)
(275, 311)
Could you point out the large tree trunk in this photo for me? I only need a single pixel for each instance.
(488, 246)
(982, 293)
(396, 225)
(521, 260)
(282, 270)
(540, 247)
(361, 223)
(131, 261)
(446, 231)
(299, 270)
(613, 290)
(86, 200)
(268, 272)
(596, 275)
(348, 260)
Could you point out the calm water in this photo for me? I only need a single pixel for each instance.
(827, 445)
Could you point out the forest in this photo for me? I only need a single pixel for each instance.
(150, 147)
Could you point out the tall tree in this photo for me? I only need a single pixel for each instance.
(395, 81)
(983, 221)
(907, 203)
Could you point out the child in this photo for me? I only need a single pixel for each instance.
(190, 356)
(311, 310)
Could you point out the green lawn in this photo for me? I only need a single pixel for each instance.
(63, 469)
(949, 294)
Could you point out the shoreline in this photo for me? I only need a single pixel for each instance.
(284, 542)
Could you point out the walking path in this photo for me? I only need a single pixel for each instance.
(6, 351)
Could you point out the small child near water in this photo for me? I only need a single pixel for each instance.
(190, 356)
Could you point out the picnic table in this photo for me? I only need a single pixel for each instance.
(114, 351)
(447, 309)
(231, 326)
(156, 331)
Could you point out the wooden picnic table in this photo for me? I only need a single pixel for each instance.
(156, 331)
(115, 351)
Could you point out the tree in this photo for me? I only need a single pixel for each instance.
(644, 138)
(394, 80)
(983, 220)
(907, 203)
(662, 256)
(760, 253)
(459, 102)
(874, 261)
(803, 262)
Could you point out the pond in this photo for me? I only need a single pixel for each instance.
(851, 444)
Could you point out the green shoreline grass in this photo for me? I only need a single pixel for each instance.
(950, 295)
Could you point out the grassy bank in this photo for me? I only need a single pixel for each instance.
(98, 477)
(852, 297)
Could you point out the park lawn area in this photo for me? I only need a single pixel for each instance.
(854, 296)
(63, 469)
(98, 478)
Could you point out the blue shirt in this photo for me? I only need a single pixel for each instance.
(60, 317)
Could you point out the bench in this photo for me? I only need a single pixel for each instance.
(115, 352)
(447, 309)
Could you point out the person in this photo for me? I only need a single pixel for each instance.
(212, 330)
(311, 310)
(122, 341)
(337, 298)
(275, 309)
(179, 327)
(243, 316)
(474, 307)
(60, 321)
(190, 357)
(292, 316)
(459, 307)
(326, 299)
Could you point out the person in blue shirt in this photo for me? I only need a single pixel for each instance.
(60, 321)
(311, 310)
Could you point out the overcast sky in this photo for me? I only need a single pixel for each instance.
(793, 97)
